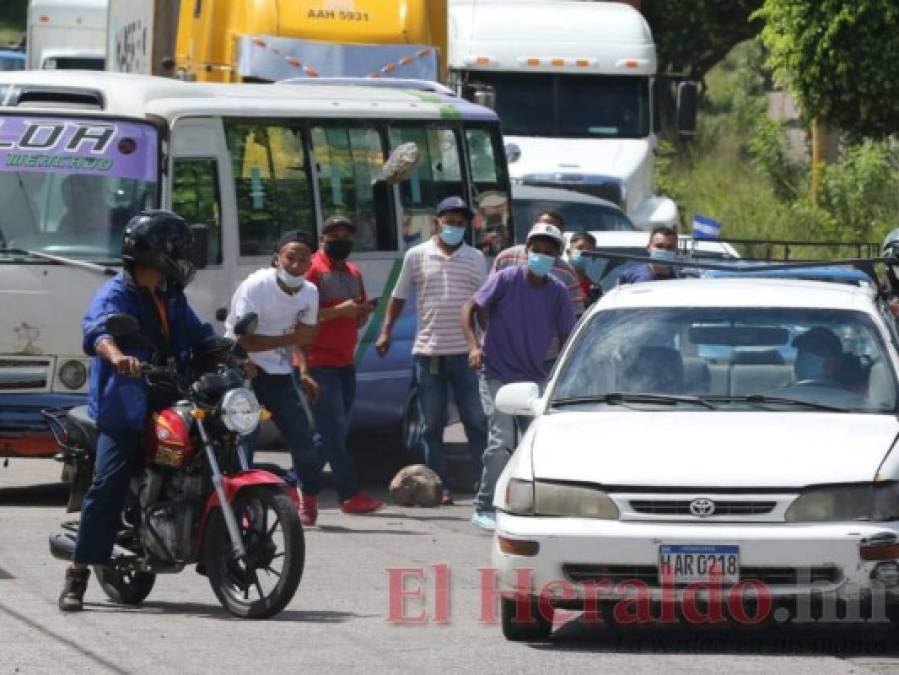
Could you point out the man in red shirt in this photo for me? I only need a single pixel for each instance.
(343, 308)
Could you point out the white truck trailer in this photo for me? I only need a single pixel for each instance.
(572, 82)
(66, 35)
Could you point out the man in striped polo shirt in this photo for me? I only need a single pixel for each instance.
(444, 272)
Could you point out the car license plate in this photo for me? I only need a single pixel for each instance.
(691, 564)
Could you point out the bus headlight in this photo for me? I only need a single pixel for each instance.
(73, 374)
(240, 411)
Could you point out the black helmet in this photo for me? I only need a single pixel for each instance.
(162, 240)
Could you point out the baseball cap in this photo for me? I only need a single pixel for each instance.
(548, 231)
(819, 340)
(454, 204)
(337, 221)
(294, 237)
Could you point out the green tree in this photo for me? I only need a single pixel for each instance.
(692, 36)
(839, 59)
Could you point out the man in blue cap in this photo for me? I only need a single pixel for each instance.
(444, 273)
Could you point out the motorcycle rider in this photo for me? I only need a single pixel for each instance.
(156, 247)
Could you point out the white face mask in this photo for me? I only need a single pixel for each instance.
(289, 280)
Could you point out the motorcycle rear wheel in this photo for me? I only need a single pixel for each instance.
(271, 531)
(125, 587)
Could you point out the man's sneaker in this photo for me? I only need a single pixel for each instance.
(361, 503)
(486, 520)
(446, 499)
(308, 509)
(72, 597)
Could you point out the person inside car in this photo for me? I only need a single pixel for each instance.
(819, 356)
(156, 248)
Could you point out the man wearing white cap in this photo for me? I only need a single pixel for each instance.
(522, 310)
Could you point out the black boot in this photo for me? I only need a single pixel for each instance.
(72, 597)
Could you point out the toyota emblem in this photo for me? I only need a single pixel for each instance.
(702, 507)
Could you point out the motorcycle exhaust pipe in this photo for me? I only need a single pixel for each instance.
(62, 546)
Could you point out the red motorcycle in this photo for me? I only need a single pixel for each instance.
(192, 499)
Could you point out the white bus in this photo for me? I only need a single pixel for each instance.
(80, 153)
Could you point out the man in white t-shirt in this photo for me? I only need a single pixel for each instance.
(287, 308)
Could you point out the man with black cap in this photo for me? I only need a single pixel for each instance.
(287, 308)
(444, 272)
(328, 367)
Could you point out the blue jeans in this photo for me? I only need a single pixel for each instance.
(434, 382)
(101, 510)
(336, 392)
(281, 397)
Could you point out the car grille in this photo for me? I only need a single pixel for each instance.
(681, 507)
(24, 374)
(649, 574)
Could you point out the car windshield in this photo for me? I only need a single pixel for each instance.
(744, 358)
(579, 216)
(68, 186)
(572, 106)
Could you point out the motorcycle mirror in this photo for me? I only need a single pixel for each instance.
(246, 325)
(122, 325)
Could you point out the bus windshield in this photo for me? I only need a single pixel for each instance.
(68, 186)
(570, 106)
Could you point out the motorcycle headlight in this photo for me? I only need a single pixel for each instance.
(877, 502)
(574, 501)
(240, 411)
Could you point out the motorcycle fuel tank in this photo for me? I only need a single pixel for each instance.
(167, 439)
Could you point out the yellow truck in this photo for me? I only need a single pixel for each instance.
(270, 40)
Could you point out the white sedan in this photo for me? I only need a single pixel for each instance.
(718, 446)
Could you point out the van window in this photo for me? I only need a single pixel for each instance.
(196, 198)
(438, 175)
(492, 227)
(271, 182)
(348, 160)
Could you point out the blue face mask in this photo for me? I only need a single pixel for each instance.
(539, 264)
(452, 235)
(578, 261)
(661, 255)
(809, 366)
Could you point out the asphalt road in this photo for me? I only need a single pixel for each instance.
(339, 621)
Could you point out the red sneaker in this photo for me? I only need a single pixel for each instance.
(308, 509)
(361, 503)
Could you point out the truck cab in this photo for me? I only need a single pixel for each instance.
(66, 35)
(572, 83)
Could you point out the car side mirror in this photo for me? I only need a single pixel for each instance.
(246, 325)
(485, 97)
(518, 398)
(687, 99)
(199, 254)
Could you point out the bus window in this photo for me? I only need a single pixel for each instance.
(271, 183)
(348, 167)
(491, 226)
(196, 198)
(438, 175)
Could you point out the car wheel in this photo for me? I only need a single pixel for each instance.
(535, 627)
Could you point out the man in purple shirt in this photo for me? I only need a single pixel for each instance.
(522, 309)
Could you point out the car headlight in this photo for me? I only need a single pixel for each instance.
(575, 501)
(240, 411)
(869, 501)
(520, 497)
(73, 374)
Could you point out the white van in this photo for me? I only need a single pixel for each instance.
(66, 34)
(81, 153)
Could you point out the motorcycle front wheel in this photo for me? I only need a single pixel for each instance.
(264, 582)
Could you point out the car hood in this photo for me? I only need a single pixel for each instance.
(710, 449)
